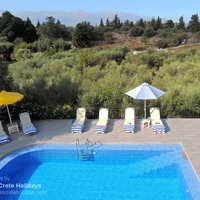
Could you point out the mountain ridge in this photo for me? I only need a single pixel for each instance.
(71, 18)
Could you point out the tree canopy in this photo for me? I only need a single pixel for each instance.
(53, 30)
(13, 27)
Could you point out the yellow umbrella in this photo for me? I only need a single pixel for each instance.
(7, 98)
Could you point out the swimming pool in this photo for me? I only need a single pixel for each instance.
(114, 172)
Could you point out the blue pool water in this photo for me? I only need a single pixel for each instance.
(114, 172)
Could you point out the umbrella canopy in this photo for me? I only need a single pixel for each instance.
(145, 92)
(7, 98)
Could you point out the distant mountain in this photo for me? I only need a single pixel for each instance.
(73, 17)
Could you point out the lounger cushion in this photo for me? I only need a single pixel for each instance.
(100, 129)
(4, 138)
(129, 128)
(29, 130)
(77, 127)
(159, 128)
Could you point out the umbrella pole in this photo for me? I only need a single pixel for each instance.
(9, 114)
(145, 105)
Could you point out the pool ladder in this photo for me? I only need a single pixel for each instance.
(84, 153)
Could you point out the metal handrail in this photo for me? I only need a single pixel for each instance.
(77, 147)
(96, 142)
(88, 142)
(86, 154)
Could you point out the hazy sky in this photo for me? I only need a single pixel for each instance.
(170, 9)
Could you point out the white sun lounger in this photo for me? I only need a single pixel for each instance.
(78, 124)
(129, 123)
(103, 121)
(27, 127)
(156, 122)
(3, 136)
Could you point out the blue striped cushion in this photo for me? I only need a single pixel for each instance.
(29, 130)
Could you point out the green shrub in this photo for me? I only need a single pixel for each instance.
(149, 32)
(136, 31)
(162, 44)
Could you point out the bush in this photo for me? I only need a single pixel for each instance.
(83, 35)
(136, 31)
(153, 60)
(50, 45)
(108, 37)
(6, 48)
(149, 32)
(162, 44)
(38, 111)
(22, 54)
(61, 45)
(5, 83)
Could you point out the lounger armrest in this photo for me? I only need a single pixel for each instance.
(156, 122)
(27, 125)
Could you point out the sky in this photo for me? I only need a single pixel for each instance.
(168, 9)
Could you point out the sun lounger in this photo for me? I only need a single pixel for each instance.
(156, 122)
(129, 123)
(78, 124)
(3, 136)
(27, 127)
(103, 121)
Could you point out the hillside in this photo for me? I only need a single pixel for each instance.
(59, 68)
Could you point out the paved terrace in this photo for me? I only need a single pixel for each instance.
(182, 131)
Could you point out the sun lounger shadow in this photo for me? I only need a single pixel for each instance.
(88, 125)
(110, 125)
(167, 128)
(3, 136)
(137, 125)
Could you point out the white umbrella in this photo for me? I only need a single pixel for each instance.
(145, 92)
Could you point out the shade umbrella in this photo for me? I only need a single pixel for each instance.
(8, 98)
(145, 92)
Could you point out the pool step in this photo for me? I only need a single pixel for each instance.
(153, 164)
